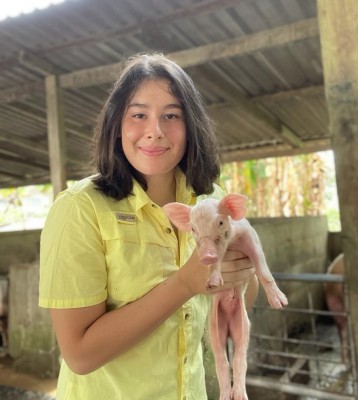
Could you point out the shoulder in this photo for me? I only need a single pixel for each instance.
(81, 202)
(83, 190)
(82, 187)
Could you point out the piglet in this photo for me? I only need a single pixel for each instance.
(216, 225)
(334, 294)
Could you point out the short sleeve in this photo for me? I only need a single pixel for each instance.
(72, 261)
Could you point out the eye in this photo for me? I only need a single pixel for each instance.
(170, 116)
(139, 116)
(221, 223)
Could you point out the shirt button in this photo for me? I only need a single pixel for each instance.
(168, 230)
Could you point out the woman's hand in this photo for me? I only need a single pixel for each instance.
(236, 270)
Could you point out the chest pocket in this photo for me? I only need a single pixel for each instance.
(134, 255)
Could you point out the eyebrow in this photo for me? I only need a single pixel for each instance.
(168, 106)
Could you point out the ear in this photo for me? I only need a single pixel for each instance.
(234, 205)
(179, 215)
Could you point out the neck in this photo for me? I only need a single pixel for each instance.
(162, 189)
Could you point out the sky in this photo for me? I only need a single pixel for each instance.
(13, 8)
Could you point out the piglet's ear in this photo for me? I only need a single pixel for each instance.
(179, 215)
(234, 205)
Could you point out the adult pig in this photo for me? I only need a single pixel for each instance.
(335, 302)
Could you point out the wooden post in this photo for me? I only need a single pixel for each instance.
(338, 22)
(56, 133)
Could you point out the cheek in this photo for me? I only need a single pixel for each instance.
(130, 133)
(181, 142)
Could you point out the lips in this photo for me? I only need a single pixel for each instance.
(153, 151)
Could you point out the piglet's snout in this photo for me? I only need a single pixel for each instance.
(208, 252)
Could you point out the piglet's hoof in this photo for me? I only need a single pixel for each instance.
(215, 281)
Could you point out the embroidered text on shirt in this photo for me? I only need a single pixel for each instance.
(126, 218)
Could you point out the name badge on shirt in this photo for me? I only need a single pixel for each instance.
(126, 218)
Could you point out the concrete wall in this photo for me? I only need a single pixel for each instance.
(18, 247)
(32, 343)
(294, 245)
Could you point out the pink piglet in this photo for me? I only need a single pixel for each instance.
(216, 225)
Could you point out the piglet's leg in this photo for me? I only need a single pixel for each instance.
(218, 329)
(215, 278)
(239, 330)
(254, 251)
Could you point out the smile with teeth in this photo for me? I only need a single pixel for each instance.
(153, 151)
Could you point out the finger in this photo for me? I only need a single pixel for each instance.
(232, 254)
(236, 265)
(237, 276)
(226, 286)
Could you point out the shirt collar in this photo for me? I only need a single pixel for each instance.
(139, 199)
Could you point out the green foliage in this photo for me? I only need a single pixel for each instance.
(24, 207)
(285, 186)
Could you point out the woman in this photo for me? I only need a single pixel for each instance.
(126, 292)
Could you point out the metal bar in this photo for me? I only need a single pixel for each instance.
(296, 341)
(294, 388)
(295, 355)
(351, 349)
(301, 311)
(322, 278)
(300, 372)
(293, 370)
(319, 361)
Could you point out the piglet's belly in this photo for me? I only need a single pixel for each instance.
(230, 301)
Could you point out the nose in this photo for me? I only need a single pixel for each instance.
(154, 129)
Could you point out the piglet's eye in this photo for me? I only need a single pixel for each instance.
(221, 223)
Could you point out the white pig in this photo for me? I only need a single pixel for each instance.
(216, 225)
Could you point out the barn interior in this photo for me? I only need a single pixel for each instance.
(279, 77)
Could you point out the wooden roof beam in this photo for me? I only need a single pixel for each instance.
(36, 63)
(286, 95)
(274, 150)
(22, 92)
(242, 45)
(145, 25)
(259, 41)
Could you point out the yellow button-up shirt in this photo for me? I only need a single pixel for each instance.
(96, 249)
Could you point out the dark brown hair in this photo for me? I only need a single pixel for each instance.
(200, 163)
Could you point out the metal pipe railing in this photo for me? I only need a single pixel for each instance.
(312, 353)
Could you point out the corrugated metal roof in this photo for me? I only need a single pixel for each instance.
(263, 79)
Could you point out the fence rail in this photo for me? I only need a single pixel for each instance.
(277, 361)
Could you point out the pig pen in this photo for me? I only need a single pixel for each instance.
(302, 360)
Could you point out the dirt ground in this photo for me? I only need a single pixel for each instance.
(9, 377)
